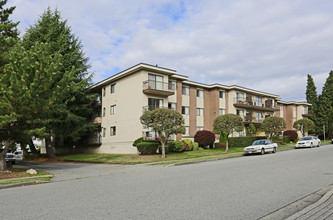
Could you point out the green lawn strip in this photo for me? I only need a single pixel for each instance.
(24, 180)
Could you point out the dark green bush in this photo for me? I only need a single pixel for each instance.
(166, 149)
(147, 148)
(139, 140)
(285, 140)
(195, 146)
(171, 146)
(243, 141)
(179, 147)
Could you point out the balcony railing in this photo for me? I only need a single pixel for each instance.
(150, 108)
(256, 105)
(158, 88)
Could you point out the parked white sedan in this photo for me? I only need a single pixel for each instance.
(308, 141)
(261, 146)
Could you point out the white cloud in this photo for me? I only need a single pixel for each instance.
(265, 45)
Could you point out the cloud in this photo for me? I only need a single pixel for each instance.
(264, 45)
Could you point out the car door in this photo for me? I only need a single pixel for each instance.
(268, 145)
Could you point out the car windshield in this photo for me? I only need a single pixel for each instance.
(306, 138)
(259, 143)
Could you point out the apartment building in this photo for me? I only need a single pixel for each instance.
(124, 97)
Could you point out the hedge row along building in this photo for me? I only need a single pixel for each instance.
(123, 97)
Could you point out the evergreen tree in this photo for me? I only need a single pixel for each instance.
(311, 95)
(325, 105)
(8, 32)
(31, 92)
(72, 123)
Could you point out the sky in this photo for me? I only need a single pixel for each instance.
(266, 45)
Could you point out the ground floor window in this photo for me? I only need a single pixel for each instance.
(113, 130)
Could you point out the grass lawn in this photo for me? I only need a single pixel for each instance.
(23, 176)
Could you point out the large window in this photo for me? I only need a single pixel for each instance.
(185, 90)
(155, 82)
(113, 109)
(240, 96)
(112, 130)
(185, 110)
(240, 113)
(200, 93)
(154, 103)
(199, 128)
(221, 111)
(199, 111)
(258, 101)
(187, 130)
(113, 88)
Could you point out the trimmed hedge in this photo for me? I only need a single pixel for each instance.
(285, 140)
(244, 141)
(147, 148)
(139, 140)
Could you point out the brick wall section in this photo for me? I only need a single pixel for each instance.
(288, 116)
(193, 111)
(226, 102)
(179, 102)
(211, 108)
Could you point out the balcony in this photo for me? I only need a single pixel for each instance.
(97, 120)
(150, 108)
(157, 88)
(254, 105)
(252, 120)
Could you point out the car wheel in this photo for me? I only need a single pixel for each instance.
(311, 145)
(318, 144)
(262, 152)
(274, 150)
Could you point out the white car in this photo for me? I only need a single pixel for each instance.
(261, 147)
(308, 141)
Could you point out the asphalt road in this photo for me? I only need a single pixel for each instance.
(240, 188)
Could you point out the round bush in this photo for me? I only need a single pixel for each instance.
(139, 140)
(178, 147)
(291, 133)
(205, 138)
(188, 144)
(147, 148)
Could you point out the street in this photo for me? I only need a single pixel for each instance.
(247, 187)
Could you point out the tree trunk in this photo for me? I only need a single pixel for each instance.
(33, 149)
(49, 148)
(163, 149)
(227, 144)
(3, 164)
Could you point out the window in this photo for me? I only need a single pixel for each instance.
(200, 93)
(154, 103)
(113, 109)
(112, 130)
(171, 85)
(185, 110)
(258, 101)
(221, 111)
(172, 105)
(104, 109)
(294, 112)
(221, 94)
(305, 110)
(240, 97)
(199, 111)
(185, 90)
(104, 131)
(240, 113)
(199, 128)
(155, 82)
(258, 116)
(113, 88)
(187, 130)
(104, 89)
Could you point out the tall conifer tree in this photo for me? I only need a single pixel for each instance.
(71, 124)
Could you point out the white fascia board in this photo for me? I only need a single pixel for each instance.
(295, 103)
(132, 70)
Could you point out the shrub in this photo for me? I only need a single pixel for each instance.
(205, 138)
(188, 144)
(244, 141)
(285, 140)
(166, 149)
(179, 146)
(195, 146)
(139, 140)
(291, 133)
(219, 145)
(147, 148)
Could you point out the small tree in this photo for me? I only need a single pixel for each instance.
(304, 125)
(165, 122)
(273, 125)
(227, 124)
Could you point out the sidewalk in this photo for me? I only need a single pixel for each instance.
(318, 205)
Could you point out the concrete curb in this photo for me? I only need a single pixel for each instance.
(22, 184)
(301, 206)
